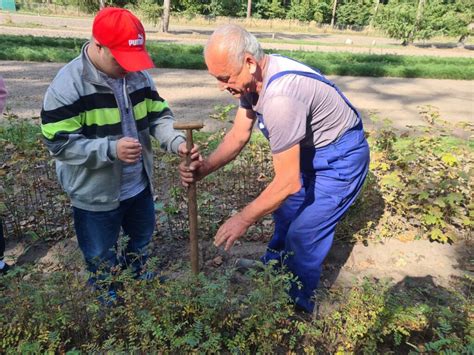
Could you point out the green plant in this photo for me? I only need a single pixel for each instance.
(188, 314)
(423, 180)
(222, 112)
(150, 10)
(408, 20)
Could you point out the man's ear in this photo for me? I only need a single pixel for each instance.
(251, 63)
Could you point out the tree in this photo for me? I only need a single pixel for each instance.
(270, 9)
(333, 18)
(354, 12)
(397, 19)
(302, 10)
(165, 20)
(448, 18)
(151, 11)
(408, 21)
(419, 14)
(249, 8)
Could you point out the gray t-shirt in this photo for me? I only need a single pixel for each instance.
(134, 179)
(298, 109)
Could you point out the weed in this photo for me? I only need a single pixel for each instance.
(222, 112)
(425, 182)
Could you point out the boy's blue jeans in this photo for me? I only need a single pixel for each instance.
(98, 233)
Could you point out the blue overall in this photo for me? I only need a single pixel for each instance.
(331, 179)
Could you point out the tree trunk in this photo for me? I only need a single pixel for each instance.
(249, 8)
(372, 20)
(419, 15)
(165, 20)
(101, 4)
(333, 18)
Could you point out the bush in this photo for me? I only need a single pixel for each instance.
(56, 314)
(425, 182)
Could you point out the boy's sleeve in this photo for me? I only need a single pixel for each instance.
(161, 121)
(63, 131)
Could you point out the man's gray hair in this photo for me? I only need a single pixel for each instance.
(237, 42)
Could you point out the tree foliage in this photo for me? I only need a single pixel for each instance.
(355, 12)
(438, 17)
(270, 9)
(310, 10)
(398, 18)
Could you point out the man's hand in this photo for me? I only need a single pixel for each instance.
(183, 151)
(129, 150)
(231, 230)
(188, 173)
(194, 172)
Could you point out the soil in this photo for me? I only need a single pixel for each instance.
(193, 94)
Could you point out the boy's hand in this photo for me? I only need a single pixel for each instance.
(183, 151)
(129, 150)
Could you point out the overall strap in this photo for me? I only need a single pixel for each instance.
(316, 74)
(296, 61)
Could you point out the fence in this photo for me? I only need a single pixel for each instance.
(33, 204)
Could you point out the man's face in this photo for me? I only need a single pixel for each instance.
(237, 81)
(108, 64)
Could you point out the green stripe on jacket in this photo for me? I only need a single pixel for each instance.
(100, 117)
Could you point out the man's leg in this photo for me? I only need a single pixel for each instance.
(138, 225)
(97, 234)
(311, 233)
(282, 218)
(3, 266)
(309, 240)
(2, 241)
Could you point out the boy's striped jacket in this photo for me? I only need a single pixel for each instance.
(81, 123)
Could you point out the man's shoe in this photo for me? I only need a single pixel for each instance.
(5, 269)
(151, 275)
(243, 264)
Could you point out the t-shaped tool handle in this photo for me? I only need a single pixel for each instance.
(192, 201)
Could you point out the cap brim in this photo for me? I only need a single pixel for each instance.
(133, 60)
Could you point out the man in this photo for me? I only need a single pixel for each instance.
(320, 155)
(97, 118)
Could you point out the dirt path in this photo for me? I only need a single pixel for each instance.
(193, 94)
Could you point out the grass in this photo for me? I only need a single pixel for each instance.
(325, 44)
(47, 49)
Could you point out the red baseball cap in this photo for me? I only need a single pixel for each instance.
(123, 34)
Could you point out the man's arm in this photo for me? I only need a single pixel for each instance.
(285, 183)
(62, 128)
(232, 144)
